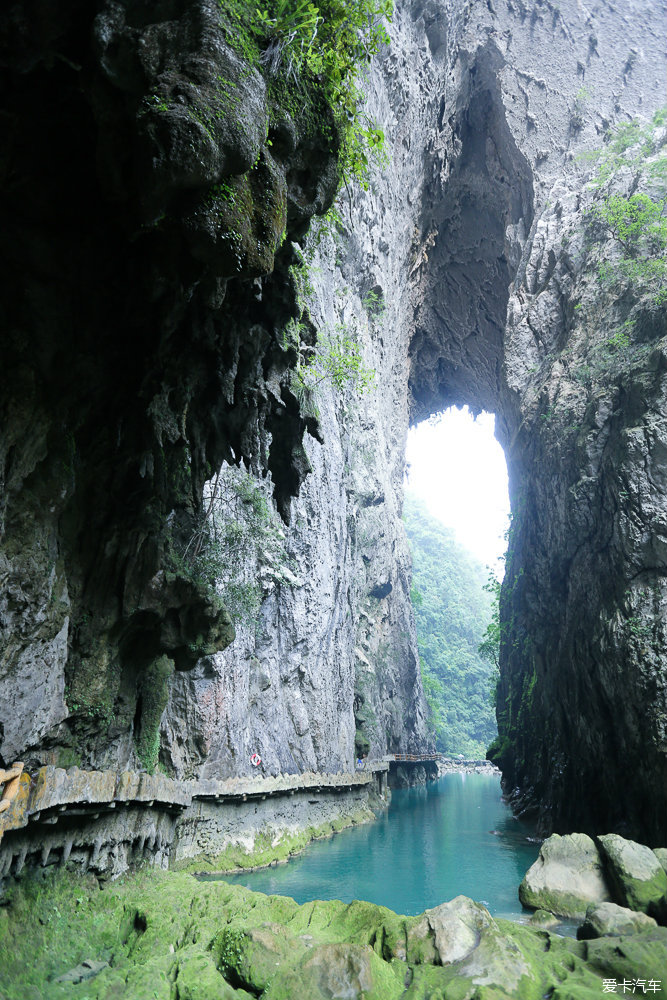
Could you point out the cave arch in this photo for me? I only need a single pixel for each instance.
(583, 695)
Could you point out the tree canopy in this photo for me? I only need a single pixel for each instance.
(453, 609)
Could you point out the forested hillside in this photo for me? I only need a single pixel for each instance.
(452, 610)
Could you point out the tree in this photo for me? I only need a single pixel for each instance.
(454, 612)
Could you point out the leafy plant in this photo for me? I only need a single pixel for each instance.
(238, 549)
(636, 222)
(374, 303)
(337, 360)
(323, 44)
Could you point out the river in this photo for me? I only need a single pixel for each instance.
(453, 836)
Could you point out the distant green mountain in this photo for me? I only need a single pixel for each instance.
(452, 610)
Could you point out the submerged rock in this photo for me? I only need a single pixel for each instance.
(543, 918)
(566, 878)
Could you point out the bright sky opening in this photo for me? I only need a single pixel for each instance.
(457, 468)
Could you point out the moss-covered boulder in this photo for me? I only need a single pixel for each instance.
(336, 970)
(609, 919)
(543, 918)
(157, 935)
(638, 879)
(566, 878)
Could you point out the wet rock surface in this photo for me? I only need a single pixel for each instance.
(164, 929)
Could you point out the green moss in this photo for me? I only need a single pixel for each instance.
(270, 847)
(166, 934)
(153, 694)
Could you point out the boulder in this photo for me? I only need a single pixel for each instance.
(566, 878)
(609, 919)
(661, 855)
(336, 970)
(634, 871)
(467, 942)
(449, 932)
(543, 918)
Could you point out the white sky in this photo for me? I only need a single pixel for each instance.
(458, 469)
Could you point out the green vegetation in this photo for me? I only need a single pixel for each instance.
(330, 356)
(238, 549)
(154, 694)
(636, 221)
(453, 607)
(324, 45)
(271, 846)
(336, 359)
(159, 935)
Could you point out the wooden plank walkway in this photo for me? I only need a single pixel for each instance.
(413, 758)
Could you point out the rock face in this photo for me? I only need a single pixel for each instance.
(154, 340)
(148, 347)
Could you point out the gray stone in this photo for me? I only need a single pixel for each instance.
(566, 877)
(604, 919)
(636, 874)
(661, 855)
(86, 970)
(461, 933)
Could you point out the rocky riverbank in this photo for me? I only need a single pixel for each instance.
(161, 935)
(466, 767)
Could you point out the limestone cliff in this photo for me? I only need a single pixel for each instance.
(150, 299)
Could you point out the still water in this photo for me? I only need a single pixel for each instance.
(454, 836)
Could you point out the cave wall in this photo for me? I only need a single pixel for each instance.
(152, 207)
(150, 181)
(512, 315)
(146, 347)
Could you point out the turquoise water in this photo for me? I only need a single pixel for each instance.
(454, 836)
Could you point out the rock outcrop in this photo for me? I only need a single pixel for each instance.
(153, 330)
(609, 919)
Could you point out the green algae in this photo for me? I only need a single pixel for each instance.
(270, 847)
(166, 935)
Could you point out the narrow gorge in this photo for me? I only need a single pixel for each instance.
(206, 383)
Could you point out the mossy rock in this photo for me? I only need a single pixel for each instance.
(636, 874)
(608, 919)
(566, 878)
(337, 970)
(543, 918)
(221, 942)
(199, 979)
